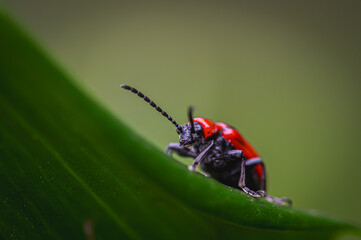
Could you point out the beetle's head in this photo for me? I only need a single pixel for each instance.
(187, 137)
(190, 132)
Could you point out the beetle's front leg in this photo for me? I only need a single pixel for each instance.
(200, 156)
(180, 150)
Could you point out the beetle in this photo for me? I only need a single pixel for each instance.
(220, 150)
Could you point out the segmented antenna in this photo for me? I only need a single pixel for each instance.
(141, 95)
(190, 118)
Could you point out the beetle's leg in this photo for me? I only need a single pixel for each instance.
(242, 182)
(180, 150)
(281, 201)
(237, 155)
(253, 162)
(200, 156)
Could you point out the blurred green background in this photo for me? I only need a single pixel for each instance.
(287, 75)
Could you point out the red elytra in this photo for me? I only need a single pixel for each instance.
(233, 136)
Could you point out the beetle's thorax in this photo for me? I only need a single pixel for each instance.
(199, 145)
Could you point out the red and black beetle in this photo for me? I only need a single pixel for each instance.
(220, 150)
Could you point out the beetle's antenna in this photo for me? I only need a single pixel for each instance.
(190, 117)
(141, 95)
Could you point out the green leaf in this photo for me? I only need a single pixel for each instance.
(70, 170)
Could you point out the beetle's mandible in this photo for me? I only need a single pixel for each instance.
(221, 151)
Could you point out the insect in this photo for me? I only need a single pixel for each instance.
(220, 150)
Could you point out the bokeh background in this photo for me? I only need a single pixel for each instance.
(287, 75)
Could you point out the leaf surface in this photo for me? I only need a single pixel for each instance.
(70, 170)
